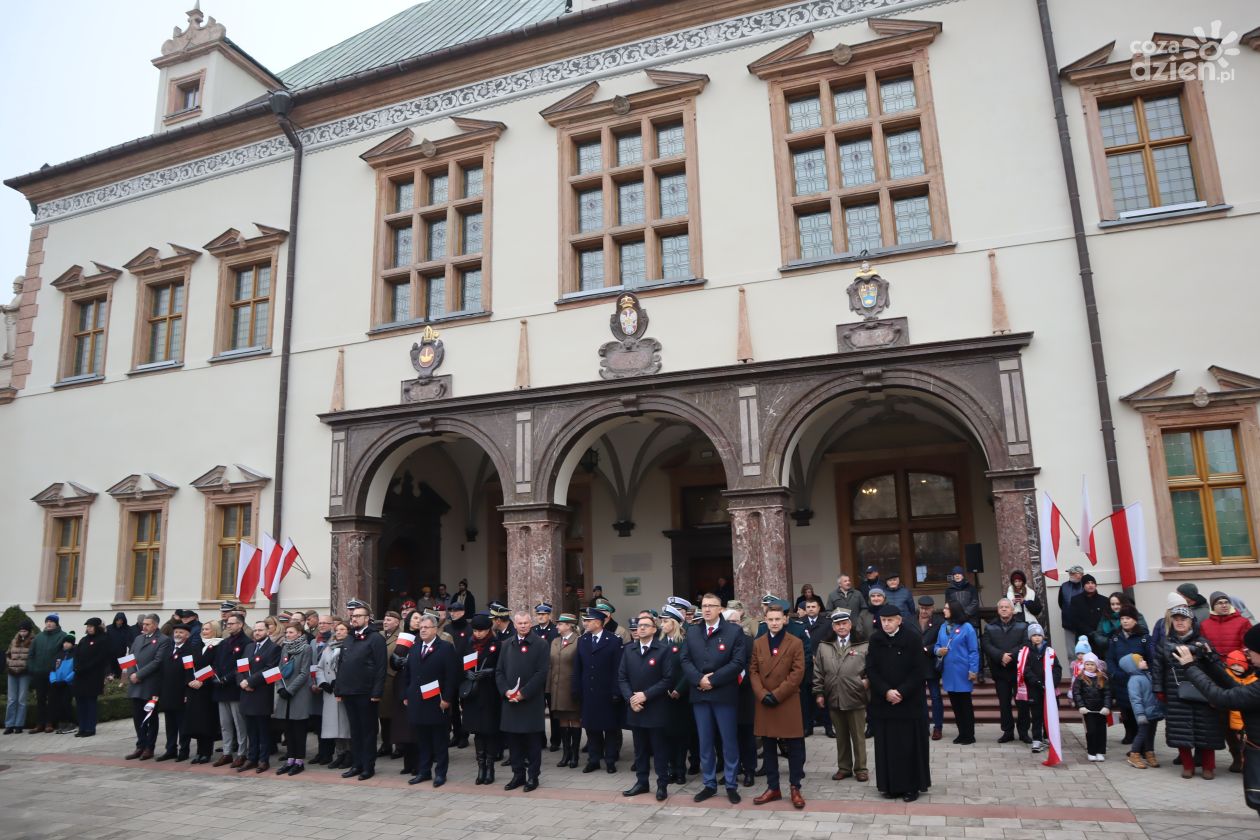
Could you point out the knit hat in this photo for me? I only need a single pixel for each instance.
(1082, 645)
(1251, 639)
(1089, 657)
(1130, 611)
(27, 625)
(1089, 579)
(93, 622)
(1237, 657)
(1018, 574)
(53, 617)
(957, 570)
(69, 638)
(1191, 592)
(1035, 629)
(875, 589)
(480, 621)
(1217, 596)
(1184, 611)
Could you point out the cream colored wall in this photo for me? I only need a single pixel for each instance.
(1004, 189)
(226, 86)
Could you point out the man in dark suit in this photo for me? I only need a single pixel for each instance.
(521, 677)
(714, 662)
(227, 693)
(150, 649)
(595, 686)
(431, 680)
(360, 684)
(175, 679)
(645, 677)
(258, 699)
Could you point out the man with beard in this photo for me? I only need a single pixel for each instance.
(227, 693)
(360, 684)
(898, 711)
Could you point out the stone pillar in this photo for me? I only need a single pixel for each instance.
(535, 553)
(355, 542)
(760, 544)
(1019, 541)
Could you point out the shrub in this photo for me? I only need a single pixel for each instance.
(9, 622)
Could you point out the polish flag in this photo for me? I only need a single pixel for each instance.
(314, 672)
(1053, 738)
(277, 568)
(405, 640)
(204, 674)
(242, 666)
(271, 675)
(470, 661)
(430, 690)
(1128, 529)
(270, 562)
(248, 568)
(1086, 534)
(128, 661)
(188, 663)
(1050, 517)
(740, 679)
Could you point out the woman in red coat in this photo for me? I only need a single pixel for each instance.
(1225, 627)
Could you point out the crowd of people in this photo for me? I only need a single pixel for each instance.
(709, 689)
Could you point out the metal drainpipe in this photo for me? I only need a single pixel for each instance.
(1108, 428)
(281, 104)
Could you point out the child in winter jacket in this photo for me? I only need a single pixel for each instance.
(1030, 691)
(1147, 710)
(1241, 672)
(1091, 694)
(60, 686)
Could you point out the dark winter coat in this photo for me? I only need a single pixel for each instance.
(963, 601)
(262, 700)
(295, 670)
(896, 662)
(653, 673)
(724, 655)
(1084, 614)
(1186, 723)
(227, 688)
(903, 599)
(480, 709)
(1120, 646)
(594, 683)
(120, 639)
(1092, 694)
(175, 677)
(853, 601)
(1243, 698)
(1002, 638)
(45, 651)
(440, 666)
(361, 670)
(91, 662)
(201, 712)
(1035, 671)
(527, 661)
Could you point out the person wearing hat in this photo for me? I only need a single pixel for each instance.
(1087, 610)
(928, 624)
(173, 690)
(1003, 638)
(899, 596)
(521, 678)
(17, 658)
(597, 594)
(1146, 710)
(1027, 607)
(962, 593)
(61, 688)
(501, 620)
(776, 669)
(610, 624)
(680, 726)
(1224, 627)
(1091, 694)
(565, 708)
(391, 626)
(957, 659)
(188, 618)
(144, 680)
(460, 635)
(431, 679)
(225, 609)
(360, 684)
(426, 601)
(1191, 725)
(45, 650)
(714, 661)
(479, 700)
(570, 604)
(645, 677)
(1068, 590)
(543, 625)
(1030, 670)
(1190, 591)
(1130, 637)
(870, 580)
(595, 688)
(119, 635)
(840, 689)
(898, 709)
(867, 621)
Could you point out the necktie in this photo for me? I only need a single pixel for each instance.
(643, 651)
(424, 651)
(711, 629)
(258, 648)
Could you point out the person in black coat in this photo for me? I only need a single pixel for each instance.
(431, 679)
(227, 692)
(1191, 726)
(521, 678)
(120, 635)
(1002, 640)
(479, 705)
(258, 699)
(594, 686)
(714, 661)
(645, 676)
(91, 658)
(201, 712)
(928, 626)
(176, 672)
(360, 685)
(898, 710)
(1086, 610)
(461, 636)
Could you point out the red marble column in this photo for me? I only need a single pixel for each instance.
(353, 570)
(760, 544)
(1019, 545)
(535, 553)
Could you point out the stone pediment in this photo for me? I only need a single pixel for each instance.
(64, 493)
(74, 279)
(143, 486)
(232, 241)
(149, 261)
(580, 105)
(1234, 388)
(229, 479)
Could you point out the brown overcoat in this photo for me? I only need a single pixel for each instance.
(560, 677)
(780, 674)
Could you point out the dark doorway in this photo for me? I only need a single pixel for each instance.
(700, 556)
(411, 541)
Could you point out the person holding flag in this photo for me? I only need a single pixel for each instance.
(258, 697)
(430, 679)
(227, 691)
(177, 670)
(480, 703)
(360, 685)
(294, 698)
(521, 679)
(1031, 690)
(201, 713)
(144, 677)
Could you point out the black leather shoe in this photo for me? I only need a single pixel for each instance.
(911, 796)
(612, 767)
(366, 774)
(1006, 738)
(283, 769)
(295, 769)
(415, 780)
(733, 795)
(438, 781)
(639, 787)
(1025, 738)
(517, 781)
(181, 757)
(662, 794)
(747, 781)
(532, 784)
(760, 771)
(351, 773)
(590, 768)
(166, 756)
(426, 776)
(704, 794)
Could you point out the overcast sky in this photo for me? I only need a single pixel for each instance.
(76, 76)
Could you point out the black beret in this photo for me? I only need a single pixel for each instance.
(927, 601)
(888, 610)
(480, 621)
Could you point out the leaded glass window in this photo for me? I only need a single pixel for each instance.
(861, 224)
(629, 149)
(630, 209)
(857, 163)
(1148, 151)
(905, 154)
(804, 113)
(675, 257)
(472, 233)
(400, 301)
(590, 210)
(435, 235)
(851, 104)
(402, 245)
(673, 190)
(470, 290)
(439, 189)
(670, 141)
(591, 270)
(1208, 490)
(913, 218)
(814, 230)
(897, 95)
(633, 257)
(474, 181)
(590, 158)
(404, 195)
(809, 168)
(435, 297)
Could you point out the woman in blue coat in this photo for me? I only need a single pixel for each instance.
(958, 658)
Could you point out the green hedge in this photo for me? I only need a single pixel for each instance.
(114, 703)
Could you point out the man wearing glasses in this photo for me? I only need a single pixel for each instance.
(714, 659)
(360, 683)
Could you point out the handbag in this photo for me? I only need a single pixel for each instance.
(1187, 693)
(466, 688)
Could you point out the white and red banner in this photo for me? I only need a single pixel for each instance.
(242, 666)
(128, 661)
(270, 562)
(405, 640)
(188, 663)
(470, 661)
(740, 679)
(1086, 534)
(280, 560)
(248, 570)
(204, 674)
(271, 675)
(1128, 527)
(1050, 520)
(430, 690)
(1054, 738)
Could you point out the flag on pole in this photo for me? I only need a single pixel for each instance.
(204, 674)
(188, 663)
(405, 640)
(1053, 737)
(271, 562)
(248, 569)
(279, 561)
(242, 665)
(1086, 534)
(1128, 529)
(1050, 522)
(149, 709)
(128, 661)
(430, 690)
(470, 661)
(271, 675)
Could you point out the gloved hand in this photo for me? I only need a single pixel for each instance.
(769, 700)
(284, 693)
(1142, 720)
(1104, 711)
(1161, 697)
(397, 662)
(325, 687)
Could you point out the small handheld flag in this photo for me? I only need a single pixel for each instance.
(242, 666)
(430, 690)
(128, 661)
(271, 675)
(470, 661)
(204, 674)
(405, 640)
(188, 663)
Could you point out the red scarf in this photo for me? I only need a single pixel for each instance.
(1021, 690)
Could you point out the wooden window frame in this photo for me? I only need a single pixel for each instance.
(175, 112)
(57, 507)
(398, 161)
(136, 495)
(792, 73)
(79, 288)
(152, 272)
(579, 120)
(236, 253)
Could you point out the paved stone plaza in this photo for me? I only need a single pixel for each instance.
(57, 786)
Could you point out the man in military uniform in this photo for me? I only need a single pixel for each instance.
(542, 625)
(610, 624)
(645, 677)
(501, 616)
(595, 683)
(521, 677)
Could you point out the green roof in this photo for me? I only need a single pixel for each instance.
(424, 28)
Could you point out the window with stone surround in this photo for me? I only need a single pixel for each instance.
(85, 323)
(856, 154)
(433, 226)
(629, 196)
(247, 288)
(66, 506)
(233, 495)
(161, 298)
(143, 505)
(184, 97)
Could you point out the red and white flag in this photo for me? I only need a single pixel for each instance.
(270, 562)
(740, 679)
(242, 665)
(1053, 738)
(271, 675)
(1128, 527)
(314, 672)
(405, 640)
(1086, 534)
(430, 690)
(128, 661)
(283, 558)
(248, 570)
(188, 663)
(1050, 520)
(204, 674)
(470, 661)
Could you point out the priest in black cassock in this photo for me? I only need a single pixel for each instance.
(898, 710)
